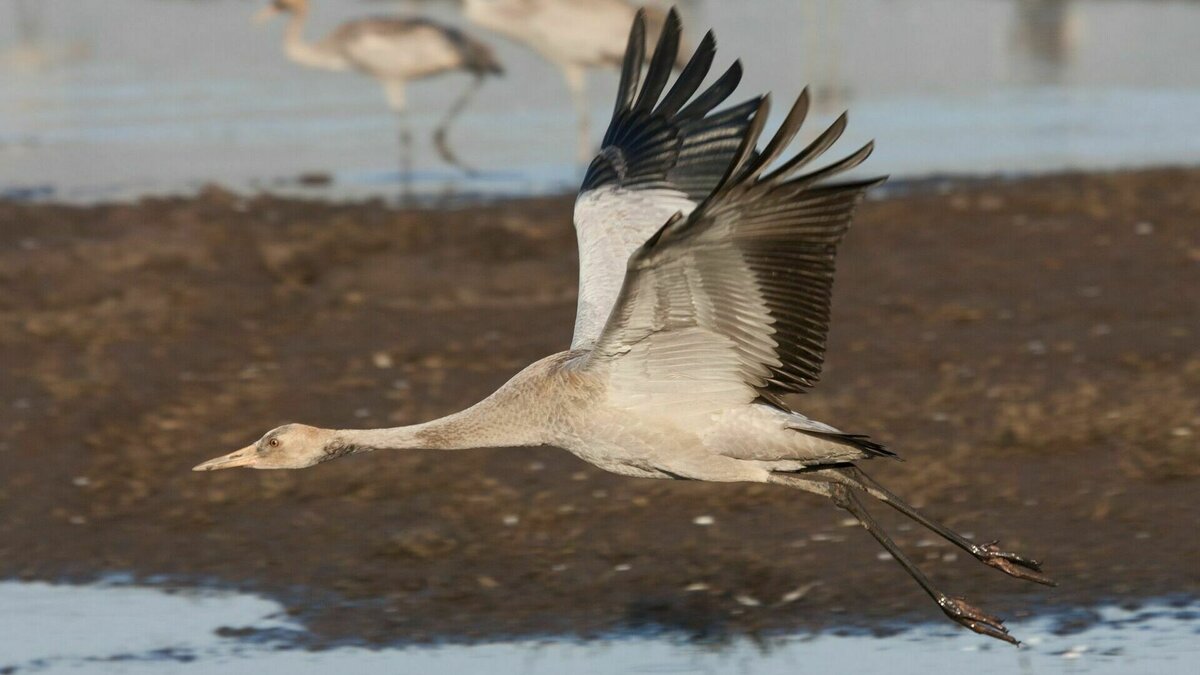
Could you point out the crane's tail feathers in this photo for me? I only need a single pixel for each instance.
(864, 443)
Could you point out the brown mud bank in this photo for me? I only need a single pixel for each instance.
(1031, 348)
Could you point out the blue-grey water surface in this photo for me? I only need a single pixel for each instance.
(110, 629)
(104, 99)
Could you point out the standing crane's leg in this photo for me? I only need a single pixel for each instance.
(990, 554)
(576, 78)
(406, 163)
(439, 134)
(395, 96)
(959, 610)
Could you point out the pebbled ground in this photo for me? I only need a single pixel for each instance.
(1031, 347)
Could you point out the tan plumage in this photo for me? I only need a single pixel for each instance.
(722, 310)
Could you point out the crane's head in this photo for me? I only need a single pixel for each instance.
(291, 446)
(280, 7)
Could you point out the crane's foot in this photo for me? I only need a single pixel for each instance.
(448, 156)
(1011, 563)
(965, 614)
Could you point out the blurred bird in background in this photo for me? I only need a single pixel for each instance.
(394, 51)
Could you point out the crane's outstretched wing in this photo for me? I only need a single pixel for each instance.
(731, 303)
(662, 154)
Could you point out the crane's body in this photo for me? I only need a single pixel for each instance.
(389, 48)
(705, 290)
(573, 35)
(563, 401)
(590, 33)
(393, 51)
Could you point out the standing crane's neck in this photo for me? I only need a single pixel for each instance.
(324, 56)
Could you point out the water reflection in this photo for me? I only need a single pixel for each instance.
(112, 98)
(120, 629)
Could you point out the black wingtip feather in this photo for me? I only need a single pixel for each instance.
(677, 144)
(631, 66)
(716, 93)
(690, 78)
(661, 63)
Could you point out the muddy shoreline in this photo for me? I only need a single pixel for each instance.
(1030, 347)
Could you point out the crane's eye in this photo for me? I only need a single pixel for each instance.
(274, 442)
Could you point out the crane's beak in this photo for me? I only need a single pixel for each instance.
(265, 14)
(243, 457)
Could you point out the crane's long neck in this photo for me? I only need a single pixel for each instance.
(524, 411)
(306, 53)
(488, 424)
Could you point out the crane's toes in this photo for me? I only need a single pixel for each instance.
(1013, 564)
(448, 156)
(965, 614)
(991, 631)
(443, 147)
(992, 550)
(1006, 566)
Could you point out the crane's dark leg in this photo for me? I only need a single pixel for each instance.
(989, 554)
(439, 134)
(406, 163)
(395, 91)
(959, 610)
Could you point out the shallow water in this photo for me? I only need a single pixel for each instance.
(118, 98)
(124, 629)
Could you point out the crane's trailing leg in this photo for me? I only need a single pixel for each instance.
(957, 609)
(406, 163)
(396, 100)
(989, 554)
(439, 134)
(576, 78)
